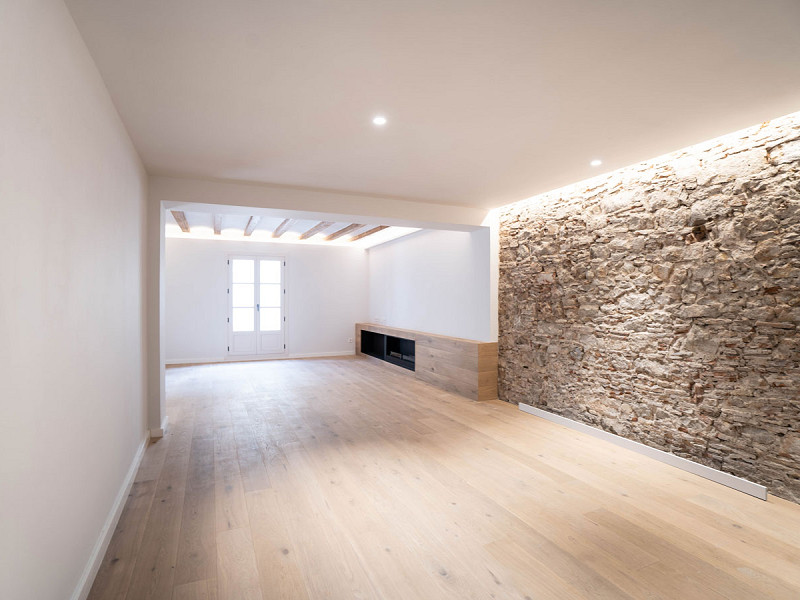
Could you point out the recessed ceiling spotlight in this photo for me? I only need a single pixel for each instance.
(379, 120)
(596, 163)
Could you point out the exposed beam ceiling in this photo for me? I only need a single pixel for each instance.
(255, 227)
(343, 231)
(282, 228)
(180, 219)
(368, 232)
(322, 225)
(252, 223)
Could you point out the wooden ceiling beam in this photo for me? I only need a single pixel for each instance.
(180, 219)
(343, 231)
(251, 225)
(282, 228)
(217, 224)
(316, 229)
(369, 232)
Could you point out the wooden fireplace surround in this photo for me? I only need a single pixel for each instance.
(465, 367)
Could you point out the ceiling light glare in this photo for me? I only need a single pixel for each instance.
(596, 163)
(379, 120)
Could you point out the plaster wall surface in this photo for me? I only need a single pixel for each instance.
(72, 359)
(326, 294)
(436, 282)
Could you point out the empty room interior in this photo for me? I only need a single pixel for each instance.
(400, 300)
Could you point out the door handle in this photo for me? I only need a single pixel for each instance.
(258, 308)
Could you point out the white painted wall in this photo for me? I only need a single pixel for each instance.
(326, 297)
(72, 200)
(156, 328)
(435, 281)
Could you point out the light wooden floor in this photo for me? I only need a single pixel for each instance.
(342, 479)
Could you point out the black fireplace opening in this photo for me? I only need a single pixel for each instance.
(400, 351)
(396, 350)
(373, 344)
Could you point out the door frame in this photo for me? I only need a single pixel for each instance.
(284, 306)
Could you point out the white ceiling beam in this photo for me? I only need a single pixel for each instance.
(369, 232)
(322, 225)
(282, 228)
(343, 231)
(180, 219)
(252, 223)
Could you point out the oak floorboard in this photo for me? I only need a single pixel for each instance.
(278, 570)
(236, 564)
(341, 479)
(197, 556)
(251, 462)
(116, 569)
(231, 509)
(154, 572)
(401, 566)
(153, 460)
(205, 589)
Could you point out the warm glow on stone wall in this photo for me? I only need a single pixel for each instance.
(661, 302)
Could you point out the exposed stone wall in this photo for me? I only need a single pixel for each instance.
(661, 302)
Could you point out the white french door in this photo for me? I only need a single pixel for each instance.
(256, 304)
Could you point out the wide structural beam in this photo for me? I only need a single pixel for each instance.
(284, 202)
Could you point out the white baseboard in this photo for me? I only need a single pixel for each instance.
(324, 354)
(245, 358)
(159, 432)
(737, 483)
(99, 551)
(193, 361)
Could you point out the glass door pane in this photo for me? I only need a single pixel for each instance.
(243, 294)
(270, 295)
(270, 271)
(243, 270)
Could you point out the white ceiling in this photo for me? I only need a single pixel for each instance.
(488, 101)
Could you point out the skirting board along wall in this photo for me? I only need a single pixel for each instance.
(96, 558)
(737, 483)
(176, 362)
(661, 302)
(158, 432)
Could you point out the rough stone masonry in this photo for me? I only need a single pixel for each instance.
(661, 302)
